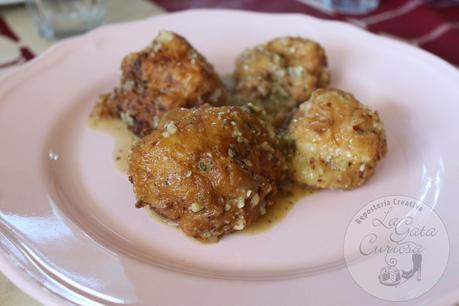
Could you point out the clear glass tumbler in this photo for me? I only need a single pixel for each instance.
(58, 19)
(353, 7)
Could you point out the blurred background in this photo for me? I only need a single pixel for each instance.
(29, 27)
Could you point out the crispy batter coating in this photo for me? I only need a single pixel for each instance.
(167, 74)
(281, 74)
(338, 141)
(213, 170)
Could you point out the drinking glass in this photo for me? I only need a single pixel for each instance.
(56, 19)
(353, 7)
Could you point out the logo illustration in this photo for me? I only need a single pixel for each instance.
(396, 248)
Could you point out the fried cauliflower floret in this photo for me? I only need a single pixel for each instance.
(338, 140)
(281, 74)
(167, 74)
(213, 170)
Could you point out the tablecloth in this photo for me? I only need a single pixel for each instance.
(431, 25)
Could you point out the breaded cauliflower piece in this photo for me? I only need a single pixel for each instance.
(281, 74)
(338, 141)
(167, 74)
(213, 170)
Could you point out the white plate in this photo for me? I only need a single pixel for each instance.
(68, 221)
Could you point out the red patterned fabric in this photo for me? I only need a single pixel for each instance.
(24, 53)
(5, 30)
(432, 25)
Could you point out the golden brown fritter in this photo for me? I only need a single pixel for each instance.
(338, 141)
(281, 74)
(167, 74)
(213, 170)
